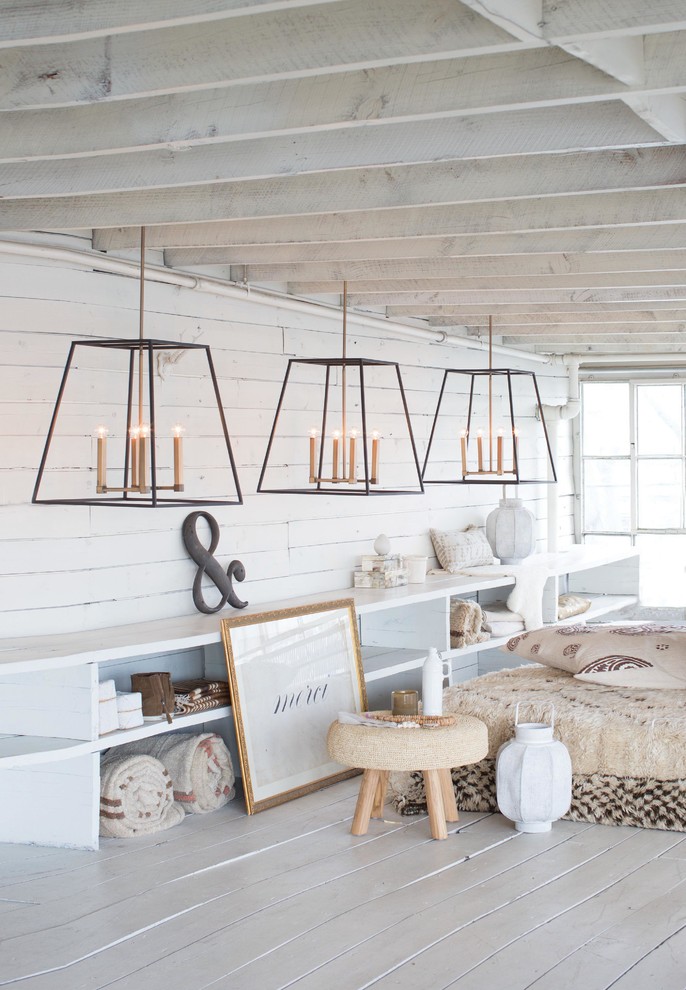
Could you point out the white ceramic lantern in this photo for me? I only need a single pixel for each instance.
(510, 531)
(533, 776)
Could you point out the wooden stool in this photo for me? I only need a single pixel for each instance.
(378, 751)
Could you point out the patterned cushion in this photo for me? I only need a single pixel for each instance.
(456, 549)
(639, 656)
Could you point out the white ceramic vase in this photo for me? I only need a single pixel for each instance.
(533, 777)
(510, 531)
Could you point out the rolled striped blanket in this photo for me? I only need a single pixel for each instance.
(136, 795)
(199, 696)
(199, 765)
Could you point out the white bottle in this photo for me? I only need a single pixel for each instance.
(433, 672)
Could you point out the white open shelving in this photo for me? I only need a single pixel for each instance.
(49, 743)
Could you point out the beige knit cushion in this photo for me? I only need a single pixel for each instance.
(456, 549)
(640, 656)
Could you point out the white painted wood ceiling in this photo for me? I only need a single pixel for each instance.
(450, 160)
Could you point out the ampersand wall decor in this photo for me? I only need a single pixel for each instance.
(208, 564)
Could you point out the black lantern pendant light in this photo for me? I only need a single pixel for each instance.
(144, 465)
(472, 442)
(342, 453)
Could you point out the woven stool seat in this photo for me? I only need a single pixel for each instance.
(433, 750)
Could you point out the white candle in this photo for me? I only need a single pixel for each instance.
(177, 433)
(143, 434)
(352, 459)
(336, 439)
(463, 451)
(375, 458)
(480, 450)
(102, 459)
(313, 455)
(134, 434)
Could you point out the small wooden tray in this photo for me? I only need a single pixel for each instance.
(418, 719)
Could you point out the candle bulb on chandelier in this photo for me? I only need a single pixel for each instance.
(463, 452)
(374, 480)
(336, 441)
(480, 450)
(352, 458)
(102, 459)
(143, 434)
(177, 434)
(313, 455)
(134, 434)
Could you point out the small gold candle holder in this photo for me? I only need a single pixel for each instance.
(405, 703)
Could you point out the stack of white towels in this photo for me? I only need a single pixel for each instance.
(500, 621)
(118, 709)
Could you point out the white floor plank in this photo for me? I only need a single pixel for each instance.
(290, 899)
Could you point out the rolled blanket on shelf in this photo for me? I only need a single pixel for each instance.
(199, 765)
(136, 796)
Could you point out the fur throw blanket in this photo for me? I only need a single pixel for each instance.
(466, 620)
(136, 796)
(199, 765)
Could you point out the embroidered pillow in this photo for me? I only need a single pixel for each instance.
(456, 549)
(641, 656)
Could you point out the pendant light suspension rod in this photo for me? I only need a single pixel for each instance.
(141, 323)
(490, 394)
(344, 432)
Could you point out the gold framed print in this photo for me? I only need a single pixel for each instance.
(291, 671)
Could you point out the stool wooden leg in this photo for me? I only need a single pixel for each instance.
(448, 792)
(380, 800)
(365, 801)
(434, 803)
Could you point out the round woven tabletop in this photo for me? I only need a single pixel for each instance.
(434, 748)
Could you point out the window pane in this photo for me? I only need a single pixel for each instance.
(605, 418)
(663, 573)
(659, 419)
(659, 494)
(607, 503)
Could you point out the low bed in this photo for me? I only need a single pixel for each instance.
(627, 744)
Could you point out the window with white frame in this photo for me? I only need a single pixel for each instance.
(633, 473)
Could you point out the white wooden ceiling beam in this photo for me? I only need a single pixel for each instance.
(646, 237)
(599, 329)
(545, 320)
(611, 209)
(287, 42)
(601, 125)
(35, 22)
(469, 315)
(405, 186)
(636, 296)
(566, 20)
(482, 267)
(451, 87)
(519, 283)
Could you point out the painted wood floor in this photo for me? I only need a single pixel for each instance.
(288, 898)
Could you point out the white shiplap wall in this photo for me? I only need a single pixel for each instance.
(64, 569)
